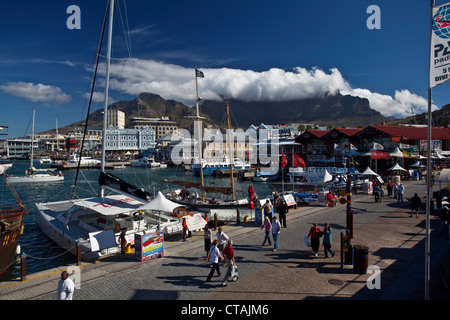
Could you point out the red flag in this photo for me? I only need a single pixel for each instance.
(298, 161)
(380, 154)
(283, 161)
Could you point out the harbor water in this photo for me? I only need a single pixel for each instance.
(41, 252)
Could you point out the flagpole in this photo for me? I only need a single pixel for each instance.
(429, 168)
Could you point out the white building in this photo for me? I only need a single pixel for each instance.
(140, 139)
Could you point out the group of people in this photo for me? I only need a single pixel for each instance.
(314, 235)
(219, 249)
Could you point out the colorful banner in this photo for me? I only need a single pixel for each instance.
(149, 246)
(380, 155)
(440, 45)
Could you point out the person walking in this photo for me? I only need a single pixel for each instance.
(415, 205)
(222, 238)
(315, 233)
(267, 226)
(283, 210)
(327, 240)
(390, 187)
(276, 228)
(207, 236)
(376, 193)
(400, 192)
(229, 256)
(214, 256)
(268, 210)
(66, 287)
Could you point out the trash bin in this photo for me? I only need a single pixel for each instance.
(360, 258)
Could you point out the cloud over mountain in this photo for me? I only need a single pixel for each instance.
(134, 76)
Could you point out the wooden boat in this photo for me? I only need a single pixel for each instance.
(11, 228)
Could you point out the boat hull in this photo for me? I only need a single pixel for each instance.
(36, 179)
(11, 226)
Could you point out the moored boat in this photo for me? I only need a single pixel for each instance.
(11, 228)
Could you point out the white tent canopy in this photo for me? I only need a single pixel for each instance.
(369, 172)
(397, 167)
(417, 164)
(397, 153)
(160, 202)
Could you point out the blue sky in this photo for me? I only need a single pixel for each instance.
(252, 50)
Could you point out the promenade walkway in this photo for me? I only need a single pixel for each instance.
(395, 241)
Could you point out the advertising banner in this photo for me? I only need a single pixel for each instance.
(149, 246)
(440, 45)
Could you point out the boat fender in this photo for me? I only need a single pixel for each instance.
(116, 227)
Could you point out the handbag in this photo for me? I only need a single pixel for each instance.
(307, 242)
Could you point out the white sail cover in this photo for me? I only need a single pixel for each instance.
(110, 205)
(160, 202)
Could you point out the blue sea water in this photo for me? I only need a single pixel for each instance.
(41, 252)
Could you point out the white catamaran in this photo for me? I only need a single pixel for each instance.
(96, 224)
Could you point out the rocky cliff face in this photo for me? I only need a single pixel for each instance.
(337, 110)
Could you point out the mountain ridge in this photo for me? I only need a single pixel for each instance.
(336, 110)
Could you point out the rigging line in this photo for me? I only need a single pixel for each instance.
(125, 32)
(90, 100)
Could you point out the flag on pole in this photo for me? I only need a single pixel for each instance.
(298, 161)
(377, 146)
(199, 73)
(440, 45)
(283, 160)
(380, 154)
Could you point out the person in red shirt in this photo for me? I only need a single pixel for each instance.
(315, 233)
(331, 199)
(229, 256)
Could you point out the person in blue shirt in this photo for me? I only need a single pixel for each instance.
(327, 240)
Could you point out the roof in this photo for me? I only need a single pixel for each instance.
(413, 133)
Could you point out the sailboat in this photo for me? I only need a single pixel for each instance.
(11, 225)
(208, 202)
(33, 175)
(96, 224)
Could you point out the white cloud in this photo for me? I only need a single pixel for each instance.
(175, 82)
(36, 92)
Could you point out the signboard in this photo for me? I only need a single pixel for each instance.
(195, 222)
(440, 45)
(290, 201)
(149, 246)
(322, 198)
(436, 145)
(102, 240)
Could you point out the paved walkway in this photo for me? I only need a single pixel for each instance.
(395, 241)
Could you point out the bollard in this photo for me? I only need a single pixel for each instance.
(78, 254)
(238, 217)
(184, 228)
(23, 267)
(215, 221)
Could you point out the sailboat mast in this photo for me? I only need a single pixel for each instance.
(200, 144)
(230, 152)
(105, 108)
(32, 141)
